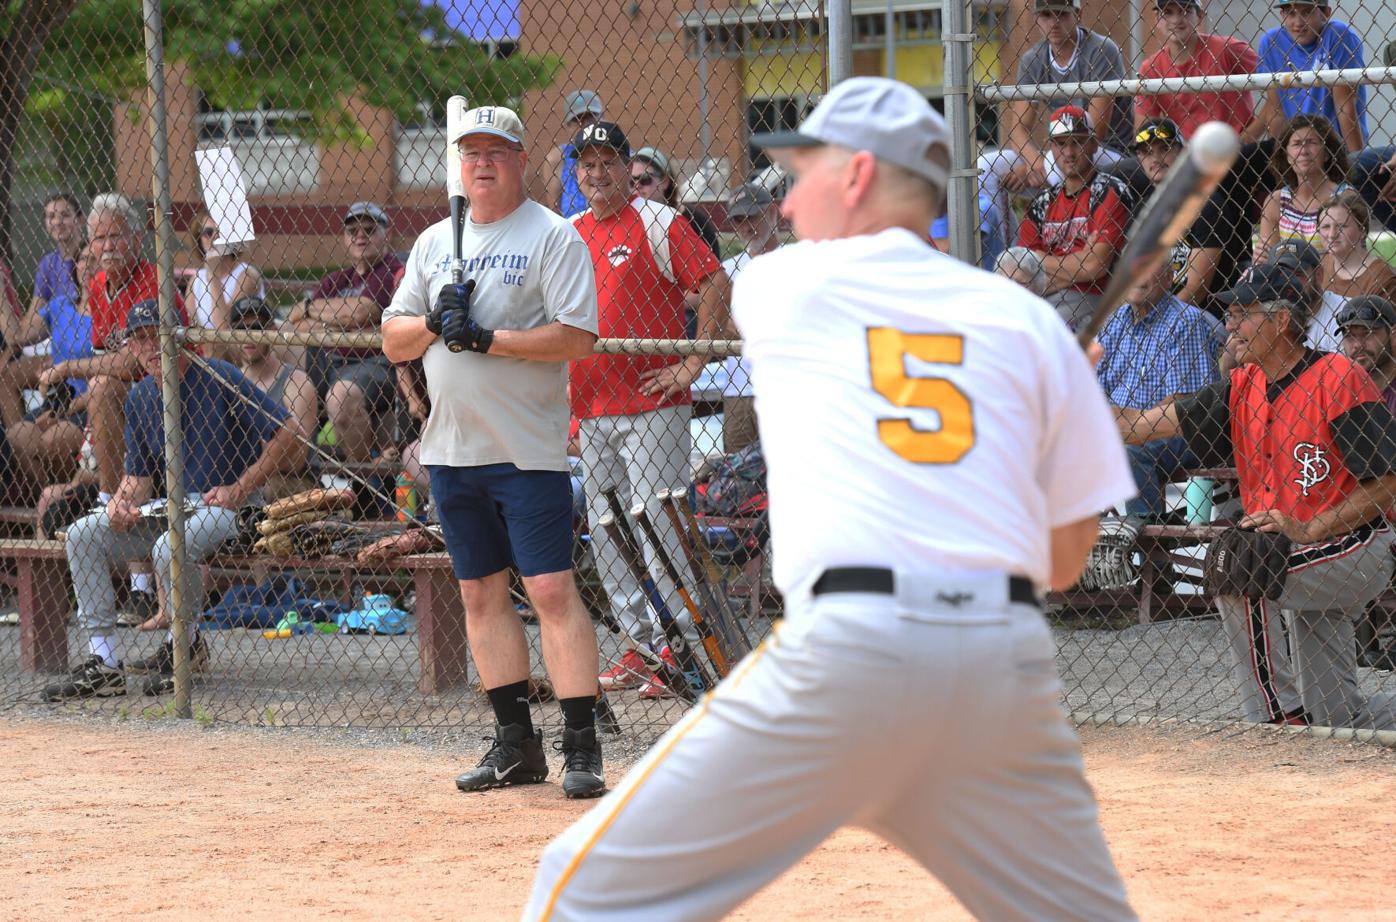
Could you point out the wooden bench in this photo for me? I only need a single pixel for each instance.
(42, 580)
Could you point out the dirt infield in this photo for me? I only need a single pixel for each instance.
(178, 822)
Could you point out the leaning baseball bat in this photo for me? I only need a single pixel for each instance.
(1171, 211)
(710, 567)
(713, 594)
(705, 630)
(690, 683)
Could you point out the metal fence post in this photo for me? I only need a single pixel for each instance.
(962, 194)
(840, 38)
(169, 346)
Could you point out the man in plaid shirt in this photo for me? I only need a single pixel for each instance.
(1157, 348)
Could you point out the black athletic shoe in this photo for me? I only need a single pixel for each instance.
(92, 678)
(161, 662)
(515, 758)
(581, 764)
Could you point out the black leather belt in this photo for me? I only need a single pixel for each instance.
(881, 580)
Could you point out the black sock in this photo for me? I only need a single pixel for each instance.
(510, 703)
(578, 713)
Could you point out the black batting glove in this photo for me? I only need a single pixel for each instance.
(451, 299)
(461, 333)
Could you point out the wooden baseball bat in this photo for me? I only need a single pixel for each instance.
(690, 682)
(705, 631)
(1172, 210)
(714, 595)
(705, 569)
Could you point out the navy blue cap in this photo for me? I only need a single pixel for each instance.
(143, 314)
(1266, 282)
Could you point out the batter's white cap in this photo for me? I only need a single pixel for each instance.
(886, 118)
(496, 120)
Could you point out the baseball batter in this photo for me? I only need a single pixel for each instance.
(911, 689)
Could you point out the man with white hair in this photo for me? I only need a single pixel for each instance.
(910, 688)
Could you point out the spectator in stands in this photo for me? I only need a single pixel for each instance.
(234, 439)
(1374, 175)
(223, 279)
(1312, 166)
(991, 240)
(1364, 325)
(286, 385)
(1157, 348)
(356, 385)
(634, 410)
(1309, 39)
(1350, 269)
(1305, 261)
(1218, 241)
(1024, 266)
(1068, 53)
(1188, 52)
(1079, 224)
(755, 219)
(559, 174)
(54, 274)
(1314, 447)
(654, 178)
(46, 444)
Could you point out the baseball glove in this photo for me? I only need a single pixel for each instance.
(1245, 562)
(288, 522)
(402, 544)
(311, 500)
(320, 538)
(1110, 563)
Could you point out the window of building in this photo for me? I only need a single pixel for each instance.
(274, 146)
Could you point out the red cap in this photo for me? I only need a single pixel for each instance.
(1068, 120)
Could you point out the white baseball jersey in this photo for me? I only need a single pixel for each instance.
(961, 422)
(736, 367)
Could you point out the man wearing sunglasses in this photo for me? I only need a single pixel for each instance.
(356, 386)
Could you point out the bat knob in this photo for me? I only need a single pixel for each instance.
(456, 346)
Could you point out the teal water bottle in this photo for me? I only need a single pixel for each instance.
(1198, 498)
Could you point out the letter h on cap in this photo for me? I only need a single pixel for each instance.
(484, 116)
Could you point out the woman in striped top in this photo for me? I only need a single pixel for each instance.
(1313, 166)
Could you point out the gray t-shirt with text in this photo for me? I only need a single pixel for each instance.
(530, 268)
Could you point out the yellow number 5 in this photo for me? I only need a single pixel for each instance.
(887, 352)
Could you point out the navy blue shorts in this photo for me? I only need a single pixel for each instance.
(496, 516)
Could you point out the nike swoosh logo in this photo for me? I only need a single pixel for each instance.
(501, 775)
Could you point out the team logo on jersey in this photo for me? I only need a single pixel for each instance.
(1313, 466)
(619, 254)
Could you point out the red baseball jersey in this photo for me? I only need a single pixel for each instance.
(109, 311)
(1302, 443)
(1059, 223)
(646, 256)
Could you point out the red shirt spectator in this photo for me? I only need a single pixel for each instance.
(1060, 222)
(109, 310)
(1211, 55)
(635, 298)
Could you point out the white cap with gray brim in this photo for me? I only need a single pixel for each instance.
(492, 120)
(886, 118)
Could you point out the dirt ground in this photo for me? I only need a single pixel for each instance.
(127, 821)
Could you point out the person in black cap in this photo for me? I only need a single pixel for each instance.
(1314, 447)
(633, 410)
(234, 438)
(1364, 326)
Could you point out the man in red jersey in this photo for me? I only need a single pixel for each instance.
(1314, 447)
(1079, 224)
(634, 410)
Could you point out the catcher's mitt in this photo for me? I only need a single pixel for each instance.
(1110, 563)
(318, 499)
(1245, 562)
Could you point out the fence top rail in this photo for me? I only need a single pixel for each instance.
(1153, 87)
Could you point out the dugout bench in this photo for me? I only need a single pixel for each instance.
(41, 581)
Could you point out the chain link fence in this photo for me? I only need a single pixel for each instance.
(275, 176)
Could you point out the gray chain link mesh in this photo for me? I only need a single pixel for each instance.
(301, 150)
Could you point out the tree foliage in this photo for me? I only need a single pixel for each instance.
(305, 55)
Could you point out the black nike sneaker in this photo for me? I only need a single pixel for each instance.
(515, 758)
(581, 764)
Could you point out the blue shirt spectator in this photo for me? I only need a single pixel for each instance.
(1338, 46)
(1173, 349)
(991, 242)
(54, 277)
(226, 425)
(70, 331)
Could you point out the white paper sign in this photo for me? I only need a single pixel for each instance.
(225, 197)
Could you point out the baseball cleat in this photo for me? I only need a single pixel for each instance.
(582, 775)
(515, 758)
